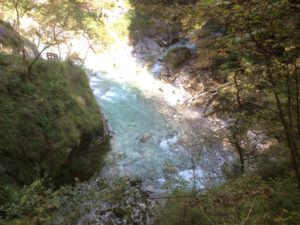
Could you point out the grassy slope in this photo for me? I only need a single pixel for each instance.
(48, 120)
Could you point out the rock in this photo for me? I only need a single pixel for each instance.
(128, 208)
(175, 56)
(169, 35)
(142, 206)
(153, 194)
(149, 189)
(119, 212)
(135, 182)
(145, 137)
(152, 40)
(12, 42)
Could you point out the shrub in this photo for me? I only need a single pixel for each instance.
(245, 200)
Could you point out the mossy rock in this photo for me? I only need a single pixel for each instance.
(49, 122)
(174, 57)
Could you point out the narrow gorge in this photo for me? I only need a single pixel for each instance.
(128, 112)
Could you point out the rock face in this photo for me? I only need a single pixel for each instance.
(151, 41)
(12, 42)
(49, 122)
(121, 202)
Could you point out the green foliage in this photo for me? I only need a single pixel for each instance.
(34, 204)
(176, 56)
(246, 200)
(122, 26)
(255, 56)
(109, 5)
(56, 21)
(42, 203)
(19, 7)
(45, 117)
(259, 40)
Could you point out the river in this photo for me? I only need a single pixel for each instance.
(155, 138)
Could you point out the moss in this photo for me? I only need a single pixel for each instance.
(176, 56)
(49, 119)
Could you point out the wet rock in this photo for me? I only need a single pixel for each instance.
(168, 144)
(149, 189)
(147, 45)
(145, 137)
(109, 132)
(154, 193)
(153, 40)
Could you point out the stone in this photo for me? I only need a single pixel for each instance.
(145, 137)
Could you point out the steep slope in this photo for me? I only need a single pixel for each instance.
(13, 43)
(49, 122)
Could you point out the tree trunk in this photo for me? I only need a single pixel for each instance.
(59, 52)
(238, 97)
(297, 99)
(241, 155)
(289, 137)
(29, 68)
(238, 147)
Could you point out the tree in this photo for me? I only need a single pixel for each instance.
(58, 21)
(20, 8)
(261, 40)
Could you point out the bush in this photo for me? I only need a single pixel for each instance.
(245, 200)
(33, 204)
